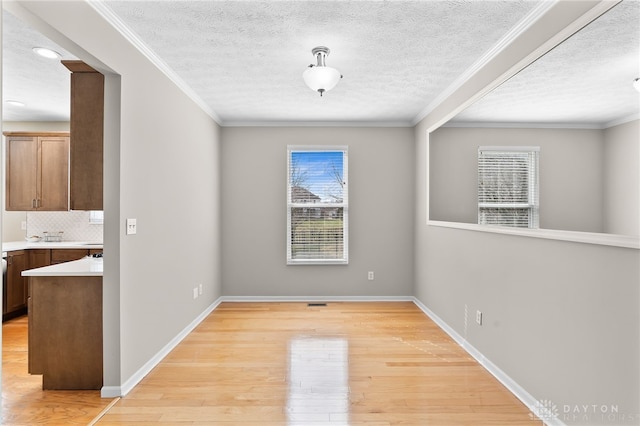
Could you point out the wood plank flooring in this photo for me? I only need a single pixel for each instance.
(23, 400)
(375, 364)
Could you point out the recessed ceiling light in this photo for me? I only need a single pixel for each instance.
(47, 53)
(15, 103)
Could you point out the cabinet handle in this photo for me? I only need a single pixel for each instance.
(33, 203)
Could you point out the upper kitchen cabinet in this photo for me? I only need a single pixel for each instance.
(87, 127)
(37, 175)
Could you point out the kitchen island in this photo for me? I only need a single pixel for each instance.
(65, 324)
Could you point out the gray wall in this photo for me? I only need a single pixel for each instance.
(622, 179)
(562, 319)
(162, 156)
(254, 178)
(571, 174)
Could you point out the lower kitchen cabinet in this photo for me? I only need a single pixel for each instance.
(39, 258)
(67, 255)
(65, 319)
(15, 289)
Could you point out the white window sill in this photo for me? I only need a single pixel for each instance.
(317, 262)
(550, 234)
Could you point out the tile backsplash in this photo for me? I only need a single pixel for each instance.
(74, 225)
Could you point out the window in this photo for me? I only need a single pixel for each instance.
(317, 205)
(96, 217)
(508, 186)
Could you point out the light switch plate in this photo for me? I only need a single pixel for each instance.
(132, 227)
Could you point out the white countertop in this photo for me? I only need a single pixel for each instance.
(85, 267)
(24, 245)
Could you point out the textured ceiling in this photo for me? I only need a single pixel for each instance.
(586, 80)
(244, 60)
(42, 84)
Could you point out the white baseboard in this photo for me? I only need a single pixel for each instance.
(517, 390)
(125, 388)
(110, 391)
(259, 299)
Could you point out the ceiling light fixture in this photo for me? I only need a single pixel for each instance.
(15, 103)
(636, 84)
(47, 53)
(321, 78)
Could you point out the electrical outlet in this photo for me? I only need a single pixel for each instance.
(195, 292)
(132, 226)
(200, 289)
(479, 317)
(23, 225)
(370, 276)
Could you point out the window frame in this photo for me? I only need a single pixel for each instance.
(344, 260)
(533, 186)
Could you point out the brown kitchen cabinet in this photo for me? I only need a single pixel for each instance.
(87, 128)
(15, 289)
(67, 255)
(37, 171)
(39, 258)
(65, 319)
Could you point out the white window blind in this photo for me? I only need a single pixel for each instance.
(317, 205)
(508, 186)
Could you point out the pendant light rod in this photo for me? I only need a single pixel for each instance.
(321, 54)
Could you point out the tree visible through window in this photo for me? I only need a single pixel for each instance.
(508, 186)
(317, 209)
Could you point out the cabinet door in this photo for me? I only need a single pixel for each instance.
(53, 179)
(67, 255)
(16, 283)
(39, 258)
(22, 166)
(87, 118)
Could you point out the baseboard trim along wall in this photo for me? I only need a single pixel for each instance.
(126, 387)
(524, 396)
(258, 299)
(536, 407)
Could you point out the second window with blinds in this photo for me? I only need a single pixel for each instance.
(508, 186)
(317, 205)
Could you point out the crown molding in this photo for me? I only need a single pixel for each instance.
(522, 125)
(108, 15)
(621, 120)
(515, 32)
(542, 125)
(317, 124)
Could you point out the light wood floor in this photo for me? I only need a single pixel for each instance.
(352, 364)
(23, 400)
(345, 364)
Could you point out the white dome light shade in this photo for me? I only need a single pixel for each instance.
(321, 79)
